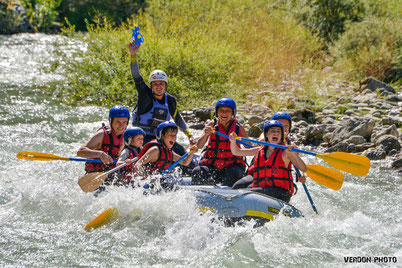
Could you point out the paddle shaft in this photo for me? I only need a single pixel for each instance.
(277, 146)
(175, 164)
(227, 137)
(307, 192)
(88, 160)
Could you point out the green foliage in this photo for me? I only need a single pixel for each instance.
(9, 21)
(93, 11)
(372, 47)
(327, 18)
(42, 13)
(209, 49)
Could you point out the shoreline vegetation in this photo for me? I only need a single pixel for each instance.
(311, 58)
(222, 48)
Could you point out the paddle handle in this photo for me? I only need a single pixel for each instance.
(175, 163)
(277, 146)
(237, 140)
(307, 192)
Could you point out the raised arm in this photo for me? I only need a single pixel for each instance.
(236, 150)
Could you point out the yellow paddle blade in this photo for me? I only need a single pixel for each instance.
(326, 176)
(107, 216)
(39, 156)
(355, 164)
(91, 181)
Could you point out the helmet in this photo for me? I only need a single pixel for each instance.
(158, 75)
(160, 129)
(283, 115)
(226, 102)
(118, 111)
(273, 123)
(131, 132)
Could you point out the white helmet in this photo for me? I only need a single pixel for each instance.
(158, 75)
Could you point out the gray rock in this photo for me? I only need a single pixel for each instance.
(393, 152)
(375, 153)
(363, 147)
(374, 84)
(300, 124)
(366, 98)
(394, 98)
(315, 131)
(203, 113)
(388, 142)
(391, 130)
(356, 139)
(354, 126)
(255, 131)
(389, 121)
(339, 147)
(397, 163)
(197, 126)
(255, 120)
(303, 114)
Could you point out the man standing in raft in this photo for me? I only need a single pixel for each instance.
(154, 104)
(271, 165)
(157, 155)
(218, 164)
(107, 143)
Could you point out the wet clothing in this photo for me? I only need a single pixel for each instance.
(111, 145)
(165, 157)
(284, 188)
(217, 153)
(218, 164)
(272, 172)
(204, 175)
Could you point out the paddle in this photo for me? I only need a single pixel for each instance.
(111, 214)
(107, 216)
(355, 164)
(307, 192)
(325, 176)
(91, 181)
(50, 157)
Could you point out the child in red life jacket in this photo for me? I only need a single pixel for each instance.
(133, 140)
(271, 165)
(286, 121)
(157, 155)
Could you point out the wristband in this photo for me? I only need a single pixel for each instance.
(133, 58)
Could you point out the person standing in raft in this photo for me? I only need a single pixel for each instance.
(107, 143)
(271, 166)
(133, 141)
(157, 155)
(154, 104)
(218, 164)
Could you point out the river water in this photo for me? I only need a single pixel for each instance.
(43, 211)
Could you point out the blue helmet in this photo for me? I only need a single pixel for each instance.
(131, 132)
(160, 129)
(283, 115)
(274, 123)
(118, 111)
(226, 102)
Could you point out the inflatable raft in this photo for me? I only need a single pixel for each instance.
(237, 204)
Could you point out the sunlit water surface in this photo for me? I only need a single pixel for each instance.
(43, 211)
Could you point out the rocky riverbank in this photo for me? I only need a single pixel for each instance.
(367, 121)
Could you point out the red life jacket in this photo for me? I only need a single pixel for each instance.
(132, 153)
(111, 145)
(126, 174)
(165, 158)
(218, 153)
(272, 172)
